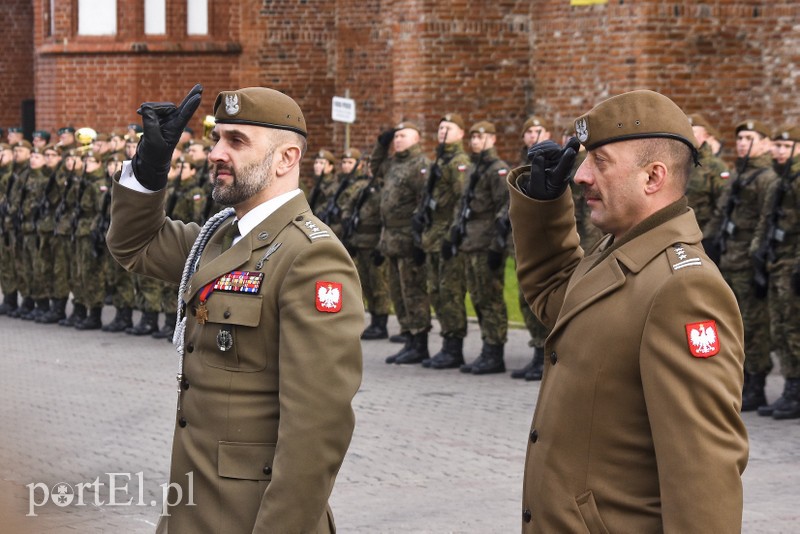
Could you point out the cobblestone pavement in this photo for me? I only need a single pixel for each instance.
(433, 451)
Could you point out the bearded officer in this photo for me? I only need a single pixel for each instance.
(269, 327)
(637, 424)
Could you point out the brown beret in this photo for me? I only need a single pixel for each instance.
(482, 127)
(696, 119)
(635, 115)
(455, 118)
(753, 125)
(352, 153)
(37, 150)
(787, 132)
(260, 106)
(534, 121)
(402, 125)
(53, 148)
(5, 146)
(326, 154)
(24, 143)
(102, 137)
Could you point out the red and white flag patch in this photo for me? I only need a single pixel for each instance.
(328, 296)
(703, 339)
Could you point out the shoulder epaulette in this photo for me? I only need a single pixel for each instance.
(680, 258)
(311, 229)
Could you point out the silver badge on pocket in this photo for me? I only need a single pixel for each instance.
(224, 340)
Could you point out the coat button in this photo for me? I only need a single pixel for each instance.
(267, 470)
(553, 358)
(526, 515)
(534, 436)
(182, 422)
(227, 314)
(185, 384)
(190, 347)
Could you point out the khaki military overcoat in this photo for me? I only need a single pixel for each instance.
(636, 428)
(262, 427)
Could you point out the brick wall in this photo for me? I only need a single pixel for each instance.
(16, 60)
(413, 59)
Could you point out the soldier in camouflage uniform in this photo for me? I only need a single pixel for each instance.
(709, 178)
(65, 268)
(535, 130)
(16, 198)
(361, 216)
(324, 182)
(777, 244)
(431, 224)
(8, 277)
(66, 139)
(40, 139)
(404, 176)
(733, 231)
(474, 235)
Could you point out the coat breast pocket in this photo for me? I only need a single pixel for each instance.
(231, 338)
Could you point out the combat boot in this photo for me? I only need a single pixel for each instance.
(377, 328)
(92, 321)
(121, 321)
(537, 365)
(753, 396)
(27, 306)
(492, 361)
(417, 352)
(9, 303)
(42, 307)
(148, 324)
(406, 347)
(451, 356)
(791, 408)
(168, 329)
(402, 337)
(57, 312)
(78, 314)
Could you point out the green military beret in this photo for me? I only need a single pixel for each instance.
(24, 144)
(260, 106)
(482, 127)
(534, 121)
(66, 129)
(402, 125)
(44, 134)
(326, 154)
(455, 118)
(753, 125)
(14, 129)
(352, 153)
(137, 128)
(635, 115)
(787, 132)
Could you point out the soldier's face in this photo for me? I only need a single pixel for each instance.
(37, 161)
(405, 139)
(52, 158)
(21, 154)
(782, 150)
(101, 147)
(130, 150)
(449, 132)
(187, 171)
(196, 153)
(39, 142)
(348, 164)
(6, 157)
(240, 162)
(478, 142)
(14, 137)
(700, 133)
(613, 186)
(322, 166)
(67, 138)
(761, 145)
(535, 134)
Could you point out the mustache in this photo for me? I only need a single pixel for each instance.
(222, 167)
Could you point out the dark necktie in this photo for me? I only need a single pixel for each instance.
(231, 233)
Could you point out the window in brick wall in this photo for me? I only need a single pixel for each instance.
(50, 22)
(97, 17)
(197, 17)
(155, 17)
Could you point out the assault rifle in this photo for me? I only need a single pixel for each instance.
(315, 193)
(62, 206)
(19, 216)
(352, 223)
(103, 221)
(44, 201)
(4, 209)
(423, 218)
(77, 212)
(332, 210)
(459, 231)
(728, 227)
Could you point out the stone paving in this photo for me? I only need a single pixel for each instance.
(433, 451)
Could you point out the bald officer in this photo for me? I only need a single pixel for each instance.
(637, 425)
(268, 325)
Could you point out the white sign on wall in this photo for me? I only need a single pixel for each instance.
(343, 110)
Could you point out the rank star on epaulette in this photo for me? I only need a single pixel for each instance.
(328, 296)
(703, 339)
(239, 282)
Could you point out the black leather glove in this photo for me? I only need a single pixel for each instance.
(447, 250)
(795, 281)
(550, 168)
(385, 138)
(418, 255)
(377, 258)
(163, 124)
(494, 259)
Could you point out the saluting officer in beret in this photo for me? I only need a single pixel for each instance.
(268, 323)
(637, 424)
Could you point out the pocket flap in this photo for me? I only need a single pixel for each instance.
(230, 308)
(248, 461)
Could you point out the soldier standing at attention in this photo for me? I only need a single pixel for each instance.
(777, 245)
(709, 178)
(48, 242)
(324, 182)
(732, 229)
(8, 277)
(273, 315)
(473, 237)
(432, 221)
(16, 194)
(535, 130)
(637, 421)
(65, 255)
(404, 177)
